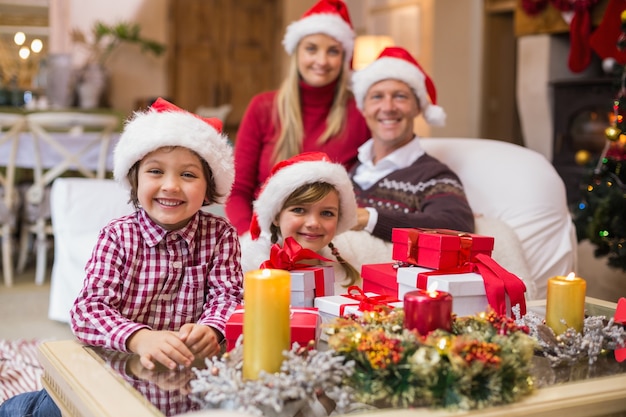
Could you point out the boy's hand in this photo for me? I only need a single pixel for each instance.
(201, 340)
(163, 346)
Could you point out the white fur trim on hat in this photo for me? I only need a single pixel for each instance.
(282, 183)
(386, 68)
(329, 24)
(150, 130)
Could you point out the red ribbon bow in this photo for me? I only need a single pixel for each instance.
(367, 303)
(290, 256)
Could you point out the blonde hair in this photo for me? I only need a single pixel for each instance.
(289, 114)
(308, 194)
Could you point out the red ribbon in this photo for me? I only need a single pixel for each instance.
(290, 255)
(320, 282)
(498, 282)
(365, 302)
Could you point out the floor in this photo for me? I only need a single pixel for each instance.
(24, 311)
(24, 307)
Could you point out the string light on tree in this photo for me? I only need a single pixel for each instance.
(601, 214)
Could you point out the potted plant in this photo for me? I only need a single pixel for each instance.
(100, 45)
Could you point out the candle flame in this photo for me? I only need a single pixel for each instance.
(442, 344)
(570, 276)
(432, 289)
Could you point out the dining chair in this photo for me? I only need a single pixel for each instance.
(11, 124)
(88, 131)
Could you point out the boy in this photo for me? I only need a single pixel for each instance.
(162, 281)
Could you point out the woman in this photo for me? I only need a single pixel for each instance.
(312, 111)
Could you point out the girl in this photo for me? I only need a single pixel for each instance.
(310, 199)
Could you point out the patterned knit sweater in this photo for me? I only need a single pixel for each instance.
(426, 194)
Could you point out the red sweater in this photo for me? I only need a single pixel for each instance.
(257, 136)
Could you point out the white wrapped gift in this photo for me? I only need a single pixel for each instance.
(467, 289)
(302, 288)
(308, 283)
(340, 305)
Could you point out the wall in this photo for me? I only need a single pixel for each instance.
(541, 60)
(450, 50)
(134, 75)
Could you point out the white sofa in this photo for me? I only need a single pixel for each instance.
(517, 197)
(516, 194)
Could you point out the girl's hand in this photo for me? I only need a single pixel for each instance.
(201, 340)
(164, 347)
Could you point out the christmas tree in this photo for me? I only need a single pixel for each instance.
(601, 214)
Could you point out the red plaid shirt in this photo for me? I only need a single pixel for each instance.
(142, 276)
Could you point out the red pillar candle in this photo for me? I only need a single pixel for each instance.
(426, 311)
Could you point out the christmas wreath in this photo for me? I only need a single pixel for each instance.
(484, 361)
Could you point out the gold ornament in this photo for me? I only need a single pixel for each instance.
(582, 157)
(612, 133)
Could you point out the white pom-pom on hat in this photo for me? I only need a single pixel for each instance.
(396, 63)
(165, 124)
(289, 175)
(329, 17)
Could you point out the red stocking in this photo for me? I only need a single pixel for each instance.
(604, 39)
(579, 32)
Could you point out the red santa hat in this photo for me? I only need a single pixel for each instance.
(329, 17)
(291, 174)
(164, 124)
(396, 63)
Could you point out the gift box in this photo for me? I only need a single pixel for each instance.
(438, 248)
(467, 289)
(308, 283)
(305, 326)
(354, 300)
(354, 309)
(302, 288)
(380, 279)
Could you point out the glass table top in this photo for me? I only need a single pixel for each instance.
(169, 390)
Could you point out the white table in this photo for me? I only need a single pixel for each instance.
(25, 152)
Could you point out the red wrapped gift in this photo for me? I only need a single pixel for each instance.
(380, 279)
(438, 248)
(305, 326)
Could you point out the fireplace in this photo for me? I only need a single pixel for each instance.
(581, 111)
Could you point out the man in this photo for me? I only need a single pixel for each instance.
(396, 183)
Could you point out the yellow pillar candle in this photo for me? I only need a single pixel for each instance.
(266, 331)
(566, 301)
